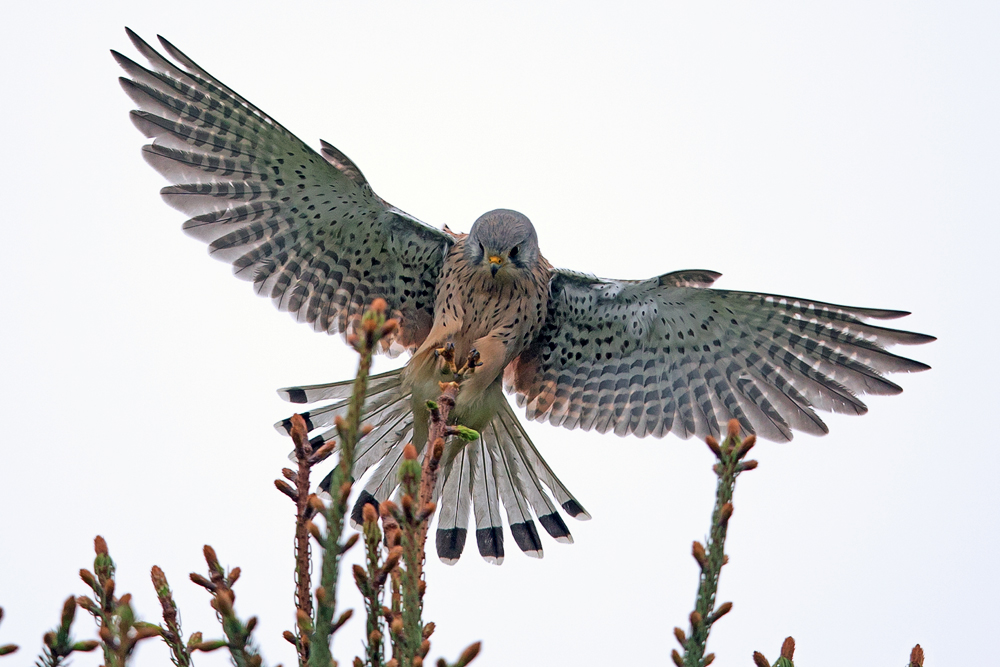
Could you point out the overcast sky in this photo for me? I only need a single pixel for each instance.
(846, 152)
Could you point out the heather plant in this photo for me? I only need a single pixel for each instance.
(392, 580)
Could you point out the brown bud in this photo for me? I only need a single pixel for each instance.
(746, 445)
(916, 656)
(223, 602)
(788, 648)
(695, 619)
(698, 551)
(723, 609)
(428, 630)
(725, 512)
(759, 660)
(366, 429)
(410, 452)
(425, 647)
(392, 560)
(713, 444)
(392, 662)
(358, 662)
(375, 637)
(49, 639)
(427, 511)
(407, 501)
(369, 513)
(344, 618)
(68, 611)
(289, 637)
(378, 305)
(147, 631)
(417, 661)
(438, 451)
(234, 575)
(676, 657)
(251, 624)
(288, 474)
(748, 465)
(397, 626)
(316, 504)
(100, 546)
(109, 587)
(302, 620)
(387, 508)
(390, 327)
(125, 599)
(708, 659)
(421, 588)
(469, 654)
(202, 581)
(210, 557)
(313, 530)
(345, 491)
(105, 634)
(352, 339)
(321, 595)
(351, 541)
(725, 560)
(156, 574)
(88, 577)
(7, 649)
(195, 638)
(733, 428)
(681, 637)
(86, 646)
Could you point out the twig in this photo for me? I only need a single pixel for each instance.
(238, 634)
(730, 464)
(171, 630)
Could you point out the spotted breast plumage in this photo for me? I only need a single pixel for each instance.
(650, 357)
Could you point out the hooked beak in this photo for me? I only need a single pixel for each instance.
(495, 264)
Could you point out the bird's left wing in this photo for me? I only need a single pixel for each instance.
(672, 354)
(306, 228)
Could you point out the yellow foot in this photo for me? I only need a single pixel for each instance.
(445, 356)
(470, 364)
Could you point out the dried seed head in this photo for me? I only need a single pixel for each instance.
(788, 648)
(410, 452)
(917, 656)
(681, 637)
(759, 660)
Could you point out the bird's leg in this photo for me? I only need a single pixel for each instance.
(470, 364)
(445, 356)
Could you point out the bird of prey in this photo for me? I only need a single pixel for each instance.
(641, 357)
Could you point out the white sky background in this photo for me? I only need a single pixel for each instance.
(845, 152)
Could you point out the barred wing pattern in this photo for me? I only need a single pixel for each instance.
(307, 229)
(670, 354)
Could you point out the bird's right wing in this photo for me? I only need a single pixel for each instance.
(306, 228)
(673, 354)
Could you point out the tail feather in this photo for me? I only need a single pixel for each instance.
(503, 467)
(454, 502)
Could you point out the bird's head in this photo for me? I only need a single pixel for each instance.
(504, 242)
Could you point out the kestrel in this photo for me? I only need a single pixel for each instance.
(641, 357)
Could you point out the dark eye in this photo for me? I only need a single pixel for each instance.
(513, 252)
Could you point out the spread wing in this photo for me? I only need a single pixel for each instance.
(671, 354)
(306, 228)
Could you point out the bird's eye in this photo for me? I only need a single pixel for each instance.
(513, 252)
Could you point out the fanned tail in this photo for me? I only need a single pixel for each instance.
(502, 466)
